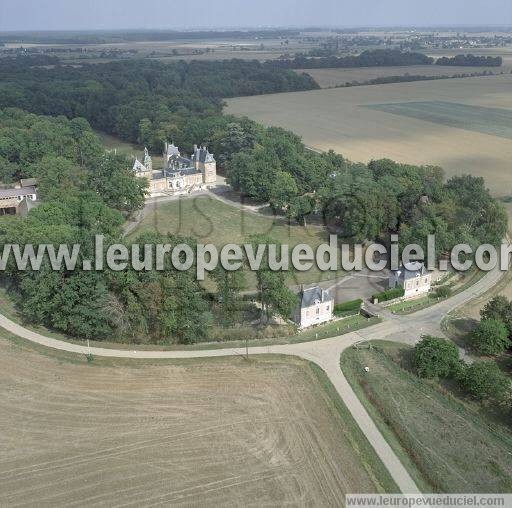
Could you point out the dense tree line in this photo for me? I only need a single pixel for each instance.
(406, 78)
(367, 201)
(369, 58)
(138, 99)
(471, 61)
(116, 36)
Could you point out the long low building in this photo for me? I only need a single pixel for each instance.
(11, 199)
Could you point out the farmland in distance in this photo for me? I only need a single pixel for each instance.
(352, 121)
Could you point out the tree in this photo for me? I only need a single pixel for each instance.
(491, 337)
(283, 189)
(300, 207)
(253, 173)
(499, 308)
(235, 138)
(58, 176)
(185, 313)
(436, 358)
(117, 185)
(485, 381)
(77, 304)
(275, 297)
(229, 286)
(145, 132)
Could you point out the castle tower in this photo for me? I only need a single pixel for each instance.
(148, 163)
(204, 162)
(170, 150)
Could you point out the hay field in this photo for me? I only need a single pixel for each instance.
(328, 78)
(341, 119)
(217, 432)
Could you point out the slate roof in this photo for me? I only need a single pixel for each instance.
(411, 270)
(308, 296)
(12, 193)
(203, 155)
(28, 182)
(138, 166)
(172, 149)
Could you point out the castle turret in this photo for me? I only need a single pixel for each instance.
(204, 161)
(148, 163)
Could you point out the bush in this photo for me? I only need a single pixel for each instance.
(389, 294)
(443, 292)
(491, 337)
(436, 358)
(352, 305)
(499, 308)
(485, 381)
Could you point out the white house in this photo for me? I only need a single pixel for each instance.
(315, 307)
(412, 277)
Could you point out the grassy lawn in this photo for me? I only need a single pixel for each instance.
(212, 221)
(408, 306)
(126, 148)
(446, 443)
(122, 147)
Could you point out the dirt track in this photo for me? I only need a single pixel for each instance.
(219, 431)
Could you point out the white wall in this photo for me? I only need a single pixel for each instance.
(316, 314)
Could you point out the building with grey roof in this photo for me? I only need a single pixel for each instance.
(10, 199)
(179, 174)
(413, 277)
(315, 307)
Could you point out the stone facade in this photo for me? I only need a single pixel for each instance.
(316, 306)
(179, 174)
(413, 278)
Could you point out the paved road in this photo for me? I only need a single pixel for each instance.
(325, 353)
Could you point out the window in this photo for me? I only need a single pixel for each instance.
(327, 308)
(317, 311)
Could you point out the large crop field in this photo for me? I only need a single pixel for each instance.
(447, 444)
(328, 78)
(368, 122)
(217, 432)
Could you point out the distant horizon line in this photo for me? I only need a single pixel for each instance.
(249, 28)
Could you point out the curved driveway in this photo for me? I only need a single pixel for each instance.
(325, 353)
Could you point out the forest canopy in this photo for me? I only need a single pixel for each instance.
(86, 191)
